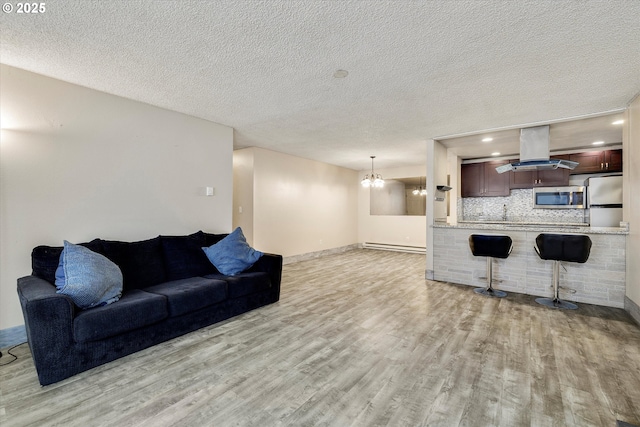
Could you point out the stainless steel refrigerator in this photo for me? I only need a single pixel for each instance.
(604, 196)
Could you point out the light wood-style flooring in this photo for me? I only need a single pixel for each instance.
(359, 339)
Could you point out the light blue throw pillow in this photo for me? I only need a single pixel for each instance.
(88, 278)
(232, 255)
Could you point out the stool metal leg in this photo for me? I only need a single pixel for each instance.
(489, 291)
(556, 302)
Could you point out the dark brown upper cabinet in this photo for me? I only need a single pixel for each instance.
(482, 180)
(597, 161)
(541, 178)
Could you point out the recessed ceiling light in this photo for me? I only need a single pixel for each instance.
(495, 154)
(340, 74)
(598, 143)
(487, 139)
(618, 122)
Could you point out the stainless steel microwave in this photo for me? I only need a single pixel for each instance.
(572, 197)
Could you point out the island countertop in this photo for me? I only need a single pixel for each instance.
(532, 226)
(600, 280)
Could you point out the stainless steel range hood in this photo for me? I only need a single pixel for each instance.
(534, 153)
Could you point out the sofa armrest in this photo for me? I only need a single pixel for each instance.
(271, 264)
(48, 320)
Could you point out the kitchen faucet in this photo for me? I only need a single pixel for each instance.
(504, 212)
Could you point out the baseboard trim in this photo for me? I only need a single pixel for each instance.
(395, 248)
(632, 308)
(12, 336)
(624, 424)
(319, 254)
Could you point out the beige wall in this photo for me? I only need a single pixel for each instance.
(78, 164)
(437, 171)
(631, 203)
(391, 199)
(243, 192)
(454, 168)
(300, 206)
(294, 206)
(389, 229)
(440, 173)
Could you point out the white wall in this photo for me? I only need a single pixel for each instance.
(407, 230)
(300, 206)
(631, 202)
(78, 164)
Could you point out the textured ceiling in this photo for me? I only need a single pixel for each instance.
(417, 69)
(564, 136)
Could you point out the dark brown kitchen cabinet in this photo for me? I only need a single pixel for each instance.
(597, 161)
(470, 179)
(482, 180)
(541, 178)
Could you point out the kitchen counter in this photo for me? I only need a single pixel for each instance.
(601, 280)
(540, 227)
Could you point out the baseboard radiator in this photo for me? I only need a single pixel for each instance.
(395, 248)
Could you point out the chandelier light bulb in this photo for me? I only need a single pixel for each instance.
(374, 180)
(420, 191)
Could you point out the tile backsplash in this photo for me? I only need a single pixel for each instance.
(519, 207)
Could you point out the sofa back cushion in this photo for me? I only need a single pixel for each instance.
(184, 258)
(141, 263)
(45, 259)
(212, 239)
(144, 263)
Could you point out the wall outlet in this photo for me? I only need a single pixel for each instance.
(209, 191)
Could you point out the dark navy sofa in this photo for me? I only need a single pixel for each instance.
(169, 289)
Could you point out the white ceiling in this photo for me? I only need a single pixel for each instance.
(417, 69)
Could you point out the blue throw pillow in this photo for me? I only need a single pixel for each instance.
(89, 278)
(232, 255)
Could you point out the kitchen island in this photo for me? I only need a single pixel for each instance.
(601, 280)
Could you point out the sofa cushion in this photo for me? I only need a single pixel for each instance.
(232, 255)
(244, 283)
(45, 259)
(135, 309)
(142, 262)
(183, 257)
(187, 295)
(212, 239)
(90, 279)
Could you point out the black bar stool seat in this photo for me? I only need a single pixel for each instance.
(561, 248)
(490, 246)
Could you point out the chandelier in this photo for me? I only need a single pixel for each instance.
(420, 191)
(373, 180)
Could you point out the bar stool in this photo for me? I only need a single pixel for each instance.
(561, 248)
(490, 246)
